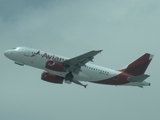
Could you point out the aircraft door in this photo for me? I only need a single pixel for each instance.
(27, 53)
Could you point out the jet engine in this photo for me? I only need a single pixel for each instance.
(51, 78)
(53, 65)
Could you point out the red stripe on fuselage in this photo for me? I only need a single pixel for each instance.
(116, 80)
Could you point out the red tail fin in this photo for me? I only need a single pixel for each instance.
(139, 66)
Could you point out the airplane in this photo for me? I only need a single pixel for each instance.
(59, 69)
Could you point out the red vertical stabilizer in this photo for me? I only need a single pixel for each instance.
(139, 66)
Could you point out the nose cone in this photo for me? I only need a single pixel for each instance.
(7, 53)
(11, 54)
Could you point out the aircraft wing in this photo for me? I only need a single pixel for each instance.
(75, 64)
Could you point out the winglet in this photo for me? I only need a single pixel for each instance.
(100, 51)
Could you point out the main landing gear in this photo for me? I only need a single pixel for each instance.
(70, 76)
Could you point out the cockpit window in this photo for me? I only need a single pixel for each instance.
(13, 48)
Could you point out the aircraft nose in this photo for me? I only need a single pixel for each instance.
(7, 53)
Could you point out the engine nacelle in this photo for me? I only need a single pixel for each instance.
(53, 65)
(51, 78)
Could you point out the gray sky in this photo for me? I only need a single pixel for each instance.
(125, 30)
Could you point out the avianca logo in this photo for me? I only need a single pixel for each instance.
(50, 57)
(34, 54)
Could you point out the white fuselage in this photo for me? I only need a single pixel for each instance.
(37, 58)
(90, 72)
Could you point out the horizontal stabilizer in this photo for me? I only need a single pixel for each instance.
(138, 78)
